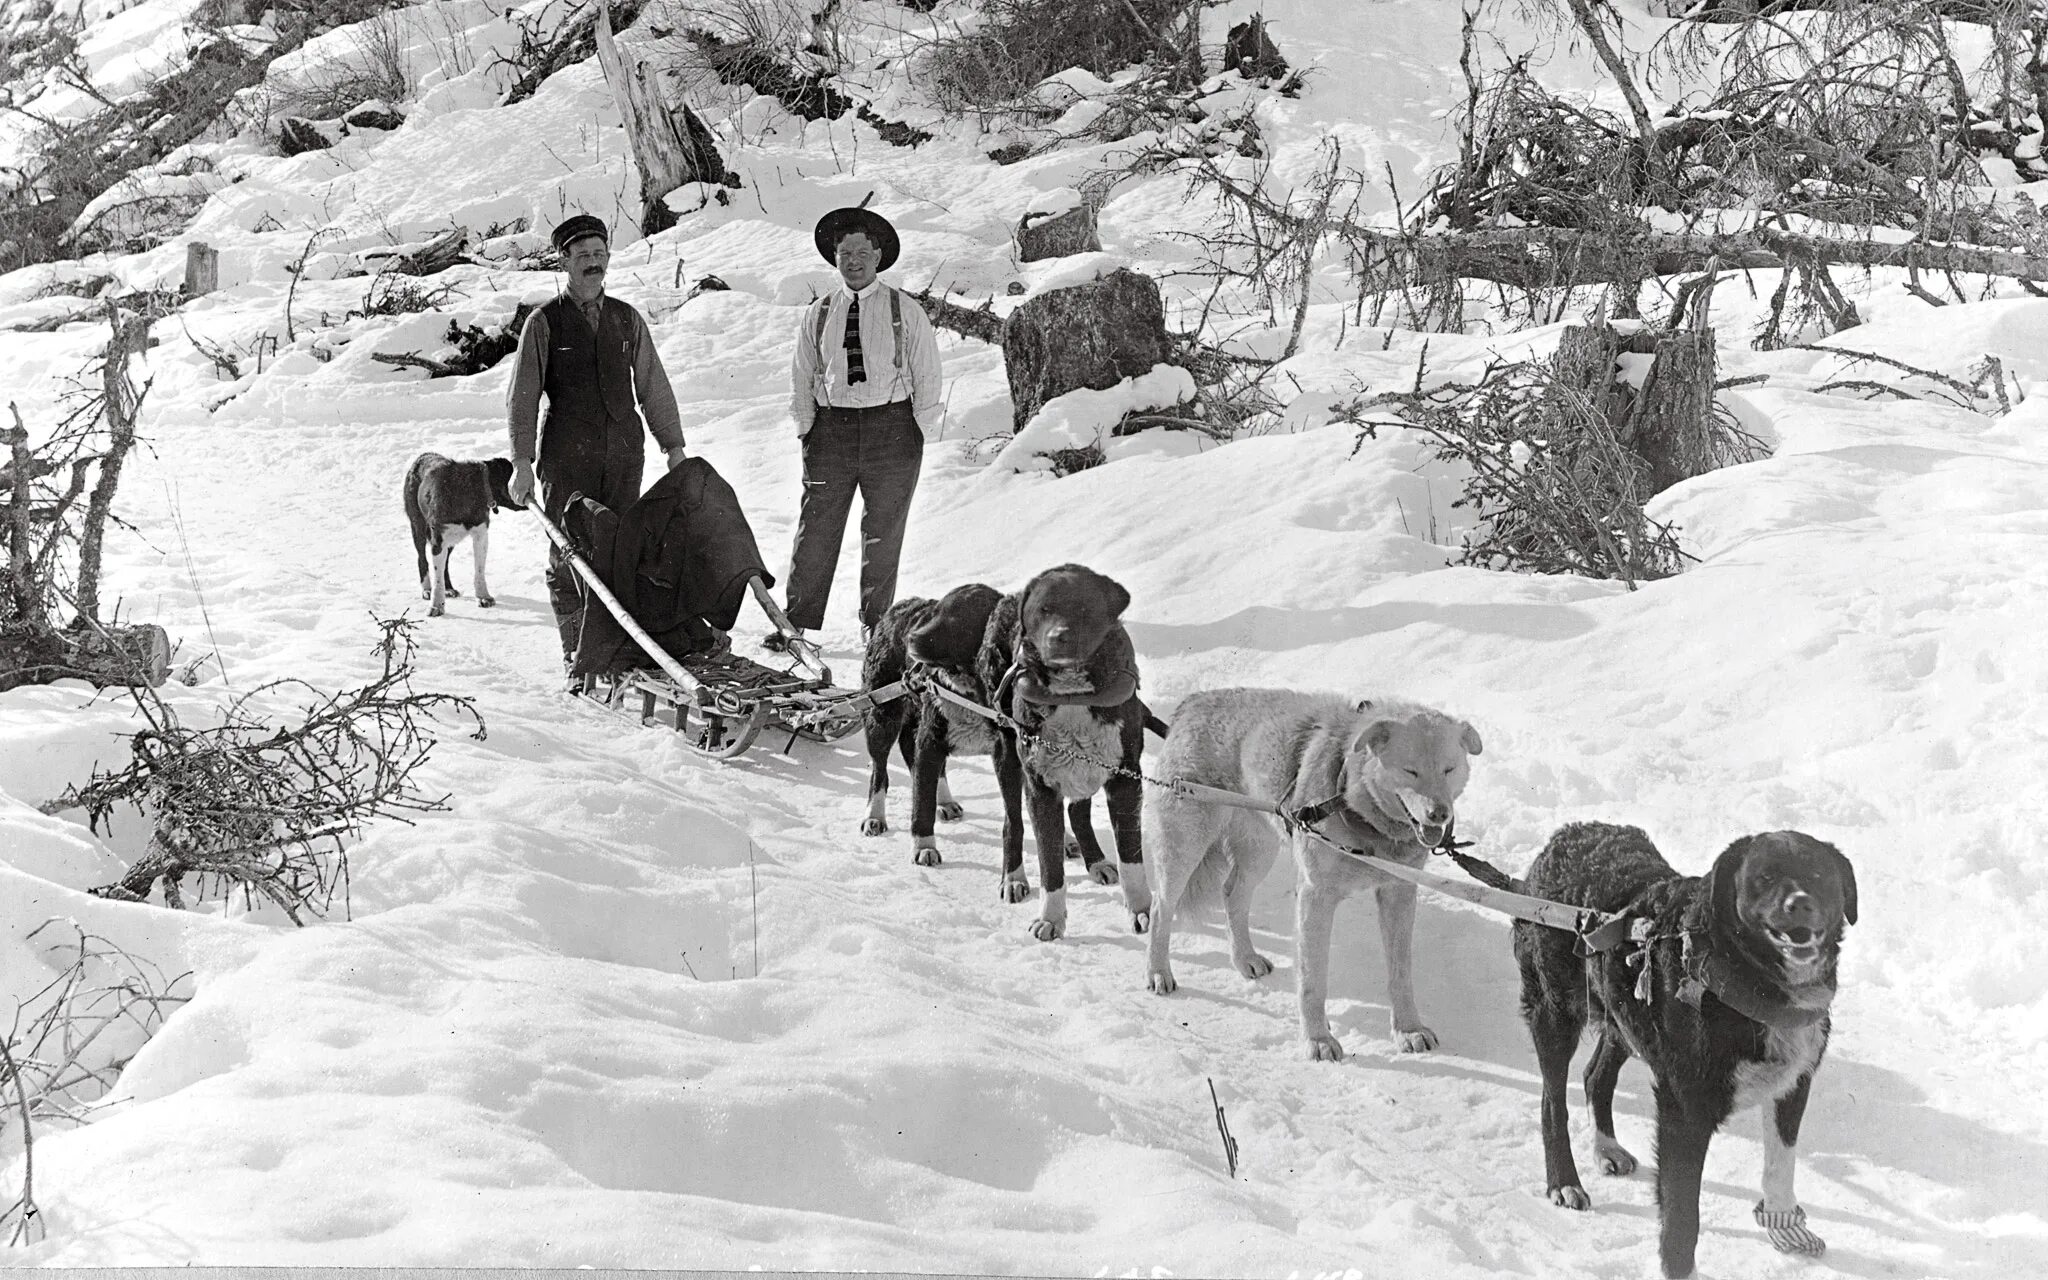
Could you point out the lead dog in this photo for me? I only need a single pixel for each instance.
(1726, 1003)
(1398, 769)
(942, 638)
(1061, 665)
(445, 502)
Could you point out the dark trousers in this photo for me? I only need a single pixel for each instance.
(878, 452)
(600, 460)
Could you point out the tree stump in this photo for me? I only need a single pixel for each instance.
(1671, 425)
(1093, 335)
(1250, 52)
(121, 656)
(1668, 422)
(1584, 369)
(297, 135)
(202, 269)
(375, 114)
(671, 146)
(1056, 235)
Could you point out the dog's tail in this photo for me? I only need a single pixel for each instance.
(1159, 727)
(414, 516)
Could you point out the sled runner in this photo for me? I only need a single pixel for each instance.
(683, 558)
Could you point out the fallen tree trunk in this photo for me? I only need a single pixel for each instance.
(1543, 257)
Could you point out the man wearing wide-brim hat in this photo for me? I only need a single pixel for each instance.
(594, 359)
(865, 397)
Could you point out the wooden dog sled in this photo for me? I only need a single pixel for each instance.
(721, 703)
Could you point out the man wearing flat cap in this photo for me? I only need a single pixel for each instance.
(865, 396)
(594, 359)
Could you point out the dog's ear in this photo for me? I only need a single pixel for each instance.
(1114, 595)
(1848, 874)
(1721, 882)
(1363, 704)
(499, 472)
(1373, 736)
(1469, 736)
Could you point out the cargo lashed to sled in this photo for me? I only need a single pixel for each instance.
(676, 566)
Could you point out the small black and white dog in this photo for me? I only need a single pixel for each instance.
(1723, 992)
(445, 502)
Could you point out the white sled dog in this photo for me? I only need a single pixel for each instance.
(1398, 767)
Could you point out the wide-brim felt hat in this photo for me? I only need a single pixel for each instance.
(841, 221)
(569, 230)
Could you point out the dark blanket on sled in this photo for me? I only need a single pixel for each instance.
(678, 559)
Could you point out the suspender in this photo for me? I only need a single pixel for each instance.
(895, 325)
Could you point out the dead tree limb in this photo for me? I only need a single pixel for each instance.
(123, 403)
(269, 810)
(1582, 10)
(980, 323)
(412, 360)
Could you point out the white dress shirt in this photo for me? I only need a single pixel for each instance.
(816, 382)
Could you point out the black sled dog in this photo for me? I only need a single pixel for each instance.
(1722, 989)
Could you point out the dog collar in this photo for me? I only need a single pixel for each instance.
(1741, 991)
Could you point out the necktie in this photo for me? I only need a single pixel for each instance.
(856, 368)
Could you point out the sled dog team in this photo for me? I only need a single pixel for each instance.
(1723, 989)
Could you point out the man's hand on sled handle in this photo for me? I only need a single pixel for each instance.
(522, 480)
(676, 457)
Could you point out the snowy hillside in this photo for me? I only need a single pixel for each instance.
(624, 1007)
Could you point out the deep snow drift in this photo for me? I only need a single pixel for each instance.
(624, 1007)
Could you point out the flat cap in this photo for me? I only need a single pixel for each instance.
(569, 230)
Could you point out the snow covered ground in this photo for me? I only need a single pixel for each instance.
(624, 1007)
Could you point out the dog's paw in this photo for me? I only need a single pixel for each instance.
(1073, 849)
(950, 811)
(926, 855)
(1324, 1048)
(1788, 1231)
(1615, 1159)
(1160, 982)
(1141, 921)
(451, 592)
(1255, 966)
(1573, 1197)
(1415, 1040)
(1103, 872)
(436, 611)
(1048, 930)
(485, 602)
(874, 826)
(1015, 889)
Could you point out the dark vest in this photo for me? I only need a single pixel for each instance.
(589, 375)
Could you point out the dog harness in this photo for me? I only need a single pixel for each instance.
(895, 327)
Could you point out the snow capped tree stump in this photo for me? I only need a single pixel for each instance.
(1665, 419)
(374, 114)
(1092, 335)
(297, 135)
(1046, 233)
